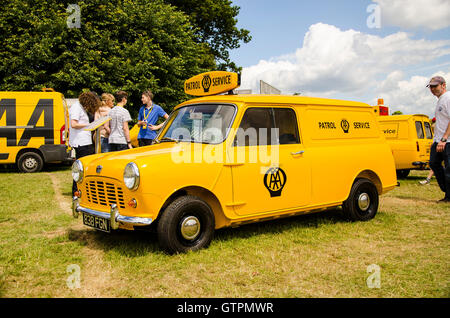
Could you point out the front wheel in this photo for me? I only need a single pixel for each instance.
(362, 203)
(187, 224)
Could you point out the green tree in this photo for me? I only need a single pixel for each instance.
(121, 44)
(216, 25)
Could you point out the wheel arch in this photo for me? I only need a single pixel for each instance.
(24, 150)
(373, 177)
(210, 198)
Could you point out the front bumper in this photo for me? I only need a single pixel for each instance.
(114, 215)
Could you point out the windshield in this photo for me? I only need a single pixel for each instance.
(200, 123)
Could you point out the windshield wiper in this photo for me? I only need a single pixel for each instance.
(167, 139)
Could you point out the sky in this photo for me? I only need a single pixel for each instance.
(359, 50)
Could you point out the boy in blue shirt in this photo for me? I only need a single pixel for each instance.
(147, 118)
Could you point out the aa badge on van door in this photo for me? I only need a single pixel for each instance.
(274, 180)
(345, 125)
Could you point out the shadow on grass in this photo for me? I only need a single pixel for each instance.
(48, 167)
(126, 243)
(141, 242)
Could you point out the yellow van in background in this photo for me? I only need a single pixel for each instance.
(410, 138)
(134, 132)
(33, 129)
(228, 160)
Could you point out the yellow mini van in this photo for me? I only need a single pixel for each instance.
(410, 138)
(227, 160)
(33, 129)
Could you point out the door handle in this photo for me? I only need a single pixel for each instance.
(297, 153)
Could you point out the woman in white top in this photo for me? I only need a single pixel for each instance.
(79, 139)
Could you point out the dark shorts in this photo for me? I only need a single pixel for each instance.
(145, 142)
(118, 147)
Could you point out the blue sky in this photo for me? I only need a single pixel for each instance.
(327, 48)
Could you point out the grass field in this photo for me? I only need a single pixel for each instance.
(403, 252)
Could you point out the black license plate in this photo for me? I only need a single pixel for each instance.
(97, 222)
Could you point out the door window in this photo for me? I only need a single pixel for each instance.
(286, 122)
(267, 126)
(428, 132)
(419, 130)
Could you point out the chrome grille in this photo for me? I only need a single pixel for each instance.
(104, 193)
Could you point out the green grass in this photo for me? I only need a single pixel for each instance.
(318, 255)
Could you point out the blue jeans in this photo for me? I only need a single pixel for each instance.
(442, 174)
(105, 144)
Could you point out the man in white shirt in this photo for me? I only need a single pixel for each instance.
(440, 150)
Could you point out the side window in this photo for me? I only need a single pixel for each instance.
(419, 130)
(267, 126)
(255, 128)
(286, 122)
(428, 132)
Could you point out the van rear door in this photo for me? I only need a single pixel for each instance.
(423, 141)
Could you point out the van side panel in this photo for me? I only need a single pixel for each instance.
(32, 121)
(341, 142)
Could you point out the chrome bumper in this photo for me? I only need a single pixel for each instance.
(114, 216)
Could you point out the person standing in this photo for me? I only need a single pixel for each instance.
(79, 139)
(107, 104)
(147, 118)
(119, 136)
(440, 150)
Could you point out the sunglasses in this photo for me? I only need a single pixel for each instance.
(434, 86)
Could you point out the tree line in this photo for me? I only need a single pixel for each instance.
(129, 45)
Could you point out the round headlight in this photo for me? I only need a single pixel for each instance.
(131, 176)
(77, 171)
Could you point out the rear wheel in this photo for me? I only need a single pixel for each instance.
(30, 162)
(187, 224)
(362, 203)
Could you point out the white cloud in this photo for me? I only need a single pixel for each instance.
(411, 14)
(332, 63)
(410, 96)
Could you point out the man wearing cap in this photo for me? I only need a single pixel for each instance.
(440, 150)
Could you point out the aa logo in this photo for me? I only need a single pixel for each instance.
(206, 83)
(274, 180)
(345, 125)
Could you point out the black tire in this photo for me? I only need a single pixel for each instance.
(187, 224)
(30, 162)
(362, 203)
(403, 173)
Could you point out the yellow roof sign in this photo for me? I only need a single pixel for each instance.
(212, 83)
